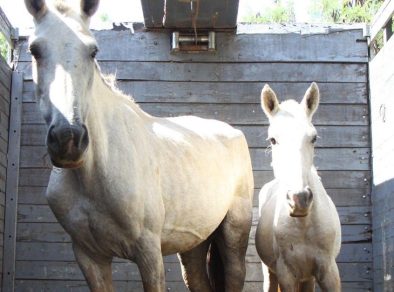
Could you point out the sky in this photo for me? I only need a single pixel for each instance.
(131, 11)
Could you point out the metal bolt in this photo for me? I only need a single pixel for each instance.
(366, 228)
(364, 196)
(365, 214)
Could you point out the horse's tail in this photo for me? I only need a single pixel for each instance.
(216, 268)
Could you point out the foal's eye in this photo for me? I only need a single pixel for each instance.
(35, 51)
(272, 140)
(314, 138)
(94, 52)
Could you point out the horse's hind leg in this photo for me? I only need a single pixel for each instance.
(232, 240)
(97, 271)
(194, 268)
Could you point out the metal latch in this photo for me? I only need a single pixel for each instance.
(193, 42)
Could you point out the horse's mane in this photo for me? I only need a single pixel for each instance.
(110, 81)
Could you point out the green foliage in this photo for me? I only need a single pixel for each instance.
(360, 12)
(4, 47)
(346, 11)
(280, 12)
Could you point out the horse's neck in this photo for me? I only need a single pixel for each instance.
(110, 113)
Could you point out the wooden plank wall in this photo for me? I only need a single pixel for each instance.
(382, 125)
(225, 85)
(5, 92)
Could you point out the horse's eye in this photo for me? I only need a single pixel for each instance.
(314, 138)
(272, 140)
(35, 51)
(94, 52)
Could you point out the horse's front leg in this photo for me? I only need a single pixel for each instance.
(328, 278)
(149, 260)
(97, 270)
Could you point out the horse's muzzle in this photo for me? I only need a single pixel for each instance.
(300, 202)
(67, 144)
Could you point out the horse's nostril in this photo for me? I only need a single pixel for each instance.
(52, 140)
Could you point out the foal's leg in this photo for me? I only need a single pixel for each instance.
(149, 260)
(194, 268)
(329, 279)
(232, 239)
(97, 270)
(287, 281)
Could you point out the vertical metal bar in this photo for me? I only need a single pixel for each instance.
(212, 41)
(11, 193)
(175, 41)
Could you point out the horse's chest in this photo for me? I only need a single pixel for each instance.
(95, 228)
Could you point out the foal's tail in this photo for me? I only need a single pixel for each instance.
(216, 268)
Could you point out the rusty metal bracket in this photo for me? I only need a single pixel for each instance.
(193, 43)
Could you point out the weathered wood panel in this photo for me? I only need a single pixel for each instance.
(236, 114)
(382, 124)
(349, 47)
(81, 286)
(12, 182)
(225, 92)
(5, 96)
(325, 158)
(256, 135)
(229, 72)
(225, 85)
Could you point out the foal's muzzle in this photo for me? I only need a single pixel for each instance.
(67, 144)
(300, 202)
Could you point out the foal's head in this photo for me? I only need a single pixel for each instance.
(63, 51)
(292, 138)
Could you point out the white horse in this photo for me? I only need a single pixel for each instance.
(131, 185)
(299, 234)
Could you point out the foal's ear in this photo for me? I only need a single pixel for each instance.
(269, 101)
(89, 7)
(311, 99)
(37, 8)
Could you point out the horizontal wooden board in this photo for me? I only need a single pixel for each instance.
(236, 114)
(342, 197)
(340, 46)
(53, 232)
(81, 286)
(328, 136)
(42, 213)
(48, 251)
(330, 179)
(227, 92)
(128, 271)
(325, 158)
(38, 177)
(229, 72)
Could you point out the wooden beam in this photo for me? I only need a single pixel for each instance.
(382, 17)
(11, 202)
(7, 29)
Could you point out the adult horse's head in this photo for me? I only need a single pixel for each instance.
(292, 138)
(63, 51)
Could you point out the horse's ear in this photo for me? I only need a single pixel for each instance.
(269, 101)
(89, 7)
(37, 8)
(311, 99)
